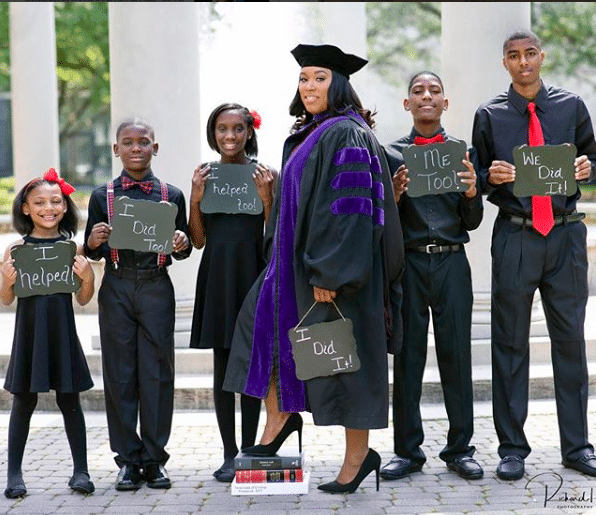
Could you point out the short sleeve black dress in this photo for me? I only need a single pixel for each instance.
(46, 351)
(232, 260)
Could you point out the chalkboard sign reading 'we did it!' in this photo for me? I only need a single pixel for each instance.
(433, 169)
(231, 189)
(544, 170)
(45, 268)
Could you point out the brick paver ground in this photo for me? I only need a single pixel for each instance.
(195, 451)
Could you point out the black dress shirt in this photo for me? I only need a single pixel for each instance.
(443, 219)
(502, 124)
(98, 212)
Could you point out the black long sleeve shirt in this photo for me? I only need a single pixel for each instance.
(502, 124)
(443, 219)
(98, 212)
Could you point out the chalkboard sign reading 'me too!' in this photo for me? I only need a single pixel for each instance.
(231, 189)
(544, 170)
(143, 225)
(45, 268)
(433, 169)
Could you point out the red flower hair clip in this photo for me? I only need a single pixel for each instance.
(257, 119)
(52, 176)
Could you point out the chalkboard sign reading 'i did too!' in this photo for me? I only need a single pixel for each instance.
(143, 225)
(544, 170)
(433, 169)
(231, 189)
(45, 268)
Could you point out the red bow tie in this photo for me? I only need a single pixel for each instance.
(146, 186)
(437, 138)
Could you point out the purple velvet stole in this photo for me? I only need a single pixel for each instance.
(276, 310)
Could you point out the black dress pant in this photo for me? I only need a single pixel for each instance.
(136, 322)
(442, 284)
(557, 266)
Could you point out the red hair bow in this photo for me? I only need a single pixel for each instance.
(257, 119)
(52, 176)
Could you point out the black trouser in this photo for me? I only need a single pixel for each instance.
(225, 409)
(557, 265)
(441, 282)
(136, 322)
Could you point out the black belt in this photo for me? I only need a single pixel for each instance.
(436, 249)
(136, 273)
(559, 220)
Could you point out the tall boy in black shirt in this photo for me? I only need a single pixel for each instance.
(524, 259)
(136, 316)
(437, 276)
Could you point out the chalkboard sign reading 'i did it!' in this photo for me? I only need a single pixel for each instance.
(45, 268)
(231, 189)
(433, 169)
(544, 170)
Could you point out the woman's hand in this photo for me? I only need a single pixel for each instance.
(199, 178)
(323, 295)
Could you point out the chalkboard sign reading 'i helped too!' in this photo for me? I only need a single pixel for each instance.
(143, 225)
(544, 170)
(433, 169)
(231, 189)
(45, 268)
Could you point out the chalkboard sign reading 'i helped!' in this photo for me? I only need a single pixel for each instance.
(143, 225)
(544, 170)
(231, 189)
(433, 169)
(45, 268)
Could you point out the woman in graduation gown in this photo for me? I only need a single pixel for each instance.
(333, 234)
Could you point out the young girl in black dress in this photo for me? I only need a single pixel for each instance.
(46, 351)
(231, 261)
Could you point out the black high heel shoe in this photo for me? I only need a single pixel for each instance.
(294, 423)
(370, 463)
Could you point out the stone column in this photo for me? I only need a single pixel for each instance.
(154, 56)
(34, 89)
(472, 39)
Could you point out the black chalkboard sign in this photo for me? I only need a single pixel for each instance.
(143, 225)
(544, 170)
(231, 189)
(432, 169)
(324, 349)
(45, 268)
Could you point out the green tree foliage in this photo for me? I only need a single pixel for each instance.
(568, 34)
(404, 37)
(83, 62)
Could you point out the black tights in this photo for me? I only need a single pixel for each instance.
(225, 409)
(23, 405)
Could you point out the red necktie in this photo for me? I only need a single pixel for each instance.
(542, 206)
(146, 186)
(437, 138)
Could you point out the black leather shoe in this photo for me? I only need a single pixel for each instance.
(14, 491)
(467, 467)
(511, 467)
(129, 478)
(81, 482)
(586, 464)
(157, 476)
(399, 467)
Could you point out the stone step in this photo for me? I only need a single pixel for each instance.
(194, 391)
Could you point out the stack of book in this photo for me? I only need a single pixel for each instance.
(275, 475)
